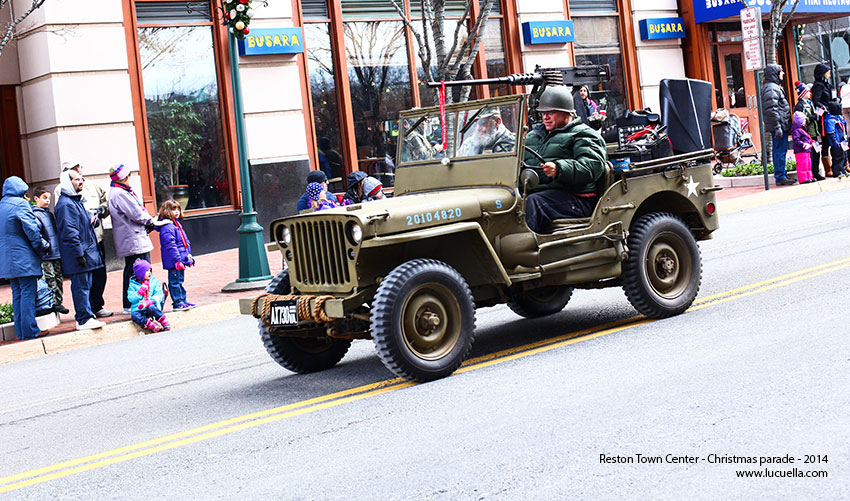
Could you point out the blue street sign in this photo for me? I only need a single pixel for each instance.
(709, 10)
(537, 32)
(662, 28)
(272, 41)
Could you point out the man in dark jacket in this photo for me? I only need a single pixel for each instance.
(78, 246)
(777, 119)
(821, 96)
(575, 159)
(20, 260)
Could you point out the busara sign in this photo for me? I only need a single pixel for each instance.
(662, 28)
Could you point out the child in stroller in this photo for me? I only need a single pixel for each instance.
(732, 140)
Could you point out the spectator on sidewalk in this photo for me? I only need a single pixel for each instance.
(94, 200)
(777, 120)
(78, 246)
(131, 224)
(20, 261)
(803, 143)
(844, 94)
(147, 298)
(821, 96)
(51, 262)
(176, 252)
(319, 197)
(836, 132)
(805, 106)
(315, 176)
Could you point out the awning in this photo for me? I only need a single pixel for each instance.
(807, 10)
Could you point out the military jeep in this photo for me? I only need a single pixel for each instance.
(409, 271)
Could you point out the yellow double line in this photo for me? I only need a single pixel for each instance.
(247, 421)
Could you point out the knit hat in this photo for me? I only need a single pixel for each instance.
(118, 172)
(316, 176)
(834, 108)
(314, 190)
(371, 186)
(801, 88)
(140, 268)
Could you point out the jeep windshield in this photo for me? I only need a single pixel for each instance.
(481, 145)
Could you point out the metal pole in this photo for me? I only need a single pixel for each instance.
(253, 263)
(761, 133)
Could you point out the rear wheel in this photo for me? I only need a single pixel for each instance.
(662, 274)
(540, 302)
(423, 320)
(300, 354)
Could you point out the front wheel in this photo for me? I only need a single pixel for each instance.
(423, 319)
(662, 274)
(300, 354)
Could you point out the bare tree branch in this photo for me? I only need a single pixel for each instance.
(10, 30)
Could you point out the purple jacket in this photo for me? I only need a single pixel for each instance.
(799, 135)
(172, 247)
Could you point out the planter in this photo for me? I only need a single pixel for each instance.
(180, 193)
(7, 331)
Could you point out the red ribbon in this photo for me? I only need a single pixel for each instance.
(443, 114)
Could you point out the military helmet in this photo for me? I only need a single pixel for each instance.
(557, 98)
(490, 112)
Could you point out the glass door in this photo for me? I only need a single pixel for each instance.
(738, 87)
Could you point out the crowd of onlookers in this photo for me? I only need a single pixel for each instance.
(41, 249)
(817, 126)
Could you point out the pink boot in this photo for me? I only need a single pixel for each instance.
(164, 323)
(153, 325)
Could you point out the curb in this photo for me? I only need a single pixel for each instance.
(50, 345)
(780, 194)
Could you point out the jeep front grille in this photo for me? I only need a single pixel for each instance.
(320, 253)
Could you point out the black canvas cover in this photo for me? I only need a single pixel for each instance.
(686, 111)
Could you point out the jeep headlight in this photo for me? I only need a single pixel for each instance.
(355, 233)
(286, 236)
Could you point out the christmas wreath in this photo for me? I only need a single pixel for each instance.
(237, 16)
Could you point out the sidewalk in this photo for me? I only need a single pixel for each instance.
(214, 271)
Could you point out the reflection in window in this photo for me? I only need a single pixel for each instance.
(380, 88)
(323, 91)
(184, 115)
(598, 42)
(734, 80)
(494, 51)
(486, 130)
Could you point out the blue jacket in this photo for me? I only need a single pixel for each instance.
(834, 129)
(155, 292)
(47, 225)
(76, 236)
(171, 245)
(20, 237)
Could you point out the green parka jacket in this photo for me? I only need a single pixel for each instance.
(578, 152)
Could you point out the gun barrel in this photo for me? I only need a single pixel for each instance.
(516, 79)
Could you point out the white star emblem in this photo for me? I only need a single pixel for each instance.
(692, 187)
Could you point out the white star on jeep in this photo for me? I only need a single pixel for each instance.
(692, 187)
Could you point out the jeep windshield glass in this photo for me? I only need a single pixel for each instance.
(479, 131)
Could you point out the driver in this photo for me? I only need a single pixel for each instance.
(490, 135)
(575, 158)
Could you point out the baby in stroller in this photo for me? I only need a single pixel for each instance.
(732, 140)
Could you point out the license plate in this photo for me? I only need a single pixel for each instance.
(284, 312)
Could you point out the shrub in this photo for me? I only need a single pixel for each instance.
(6, 315)
(755, 169)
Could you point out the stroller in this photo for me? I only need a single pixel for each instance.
(732, 140)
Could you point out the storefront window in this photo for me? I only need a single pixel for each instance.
(182, 103)
(598, 42)
(494, 54)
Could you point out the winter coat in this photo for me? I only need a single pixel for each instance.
(777, 111)
(354, 180)
(172, 248)
(94, 198)
(129, 219)
(807, 108)
(155, 292)
(822, 88)
(844, 93)
(578, 152)
(799, 136)
(76, 235)
(834, 129)
(47, 225)
(20, 236)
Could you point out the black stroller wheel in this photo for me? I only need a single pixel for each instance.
(718, 168)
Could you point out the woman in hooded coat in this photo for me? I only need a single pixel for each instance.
(821, 96)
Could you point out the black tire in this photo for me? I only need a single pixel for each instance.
(423, 320)
(717, 168)
(662, 274)
(300, 354)
(540, 302)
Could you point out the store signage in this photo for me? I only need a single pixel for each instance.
(753, 40)
(537, 32)
(709, 10)
(662, 28)
(272, 41)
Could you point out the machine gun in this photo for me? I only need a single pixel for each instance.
(570, 76)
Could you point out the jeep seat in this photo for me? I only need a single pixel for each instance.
(602, 184)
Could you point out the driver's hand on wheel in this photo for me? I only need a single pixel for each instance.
(550, 169)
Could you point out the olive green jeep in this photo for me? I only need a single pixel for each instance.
(409, 271)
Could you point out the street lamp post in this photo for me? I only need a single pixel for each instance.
(253, 263)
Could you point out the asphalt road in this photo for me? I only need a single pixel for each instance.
(757, 369)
